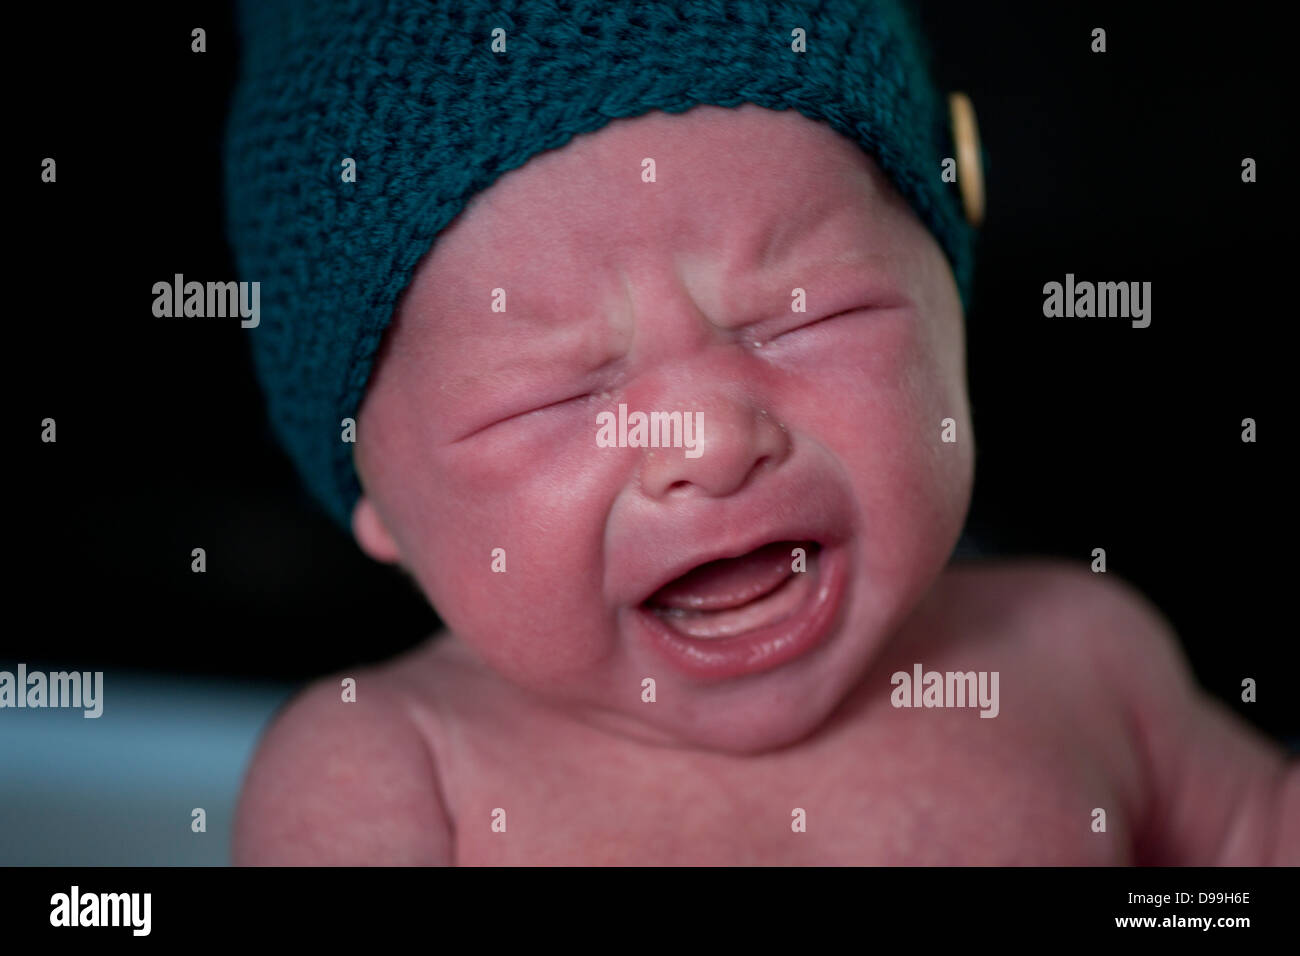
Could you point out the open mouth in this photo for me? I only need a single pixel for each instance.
(747, 614)
(736, 595)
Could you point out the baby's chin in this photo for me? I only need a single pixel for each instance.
(761, 722)
(745, 716)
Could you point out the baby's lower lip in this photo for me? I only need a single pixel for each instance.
(781, 625)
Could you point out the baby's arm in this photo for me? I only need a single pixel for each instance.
(1217, 791)
(337, 783)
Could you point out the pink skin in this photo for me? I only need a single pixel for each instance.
(672, 295)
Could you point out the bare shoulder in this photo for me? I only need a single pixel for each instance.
(1064, 609)
(1090, 643)
(344, 776)
(1093, 638)
(1210, 790)
(1051, 585)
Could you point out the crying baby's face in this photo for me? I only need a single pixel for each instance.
(660, 425)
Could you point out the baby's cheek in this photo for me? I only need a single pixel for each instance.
(902, 405)
(929, 456)
(515, 570)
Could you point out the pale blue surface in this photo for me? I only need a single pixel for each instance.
(118, 790)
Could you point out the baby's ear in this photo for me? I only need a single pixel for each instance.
(372, 534)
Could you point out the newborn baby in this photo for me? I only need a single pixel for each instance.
(725, 656)
(772, 688)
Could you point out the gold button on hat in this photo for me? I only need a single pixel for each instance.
(970, 166)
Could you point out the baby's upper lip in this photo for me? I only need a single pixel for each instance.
(680, 538)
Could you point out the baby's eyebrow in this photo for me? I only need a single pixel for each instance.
(530, 345)
(791, 228)
(832, 279)
(832, 246)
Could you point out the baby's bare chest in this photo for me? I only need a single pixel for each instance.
(893, 787)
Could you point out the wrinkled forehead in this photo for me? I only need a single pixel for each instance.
(718, 194)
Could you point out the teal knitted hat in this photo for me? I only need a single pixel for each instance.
(414, 93)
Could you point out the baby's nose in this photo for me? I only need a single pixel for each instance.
(733, 440)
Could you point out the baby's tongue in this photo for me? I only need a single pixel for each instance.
(730, 582)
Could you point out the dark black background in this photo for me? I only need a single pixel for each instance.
(1123, 166)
